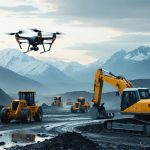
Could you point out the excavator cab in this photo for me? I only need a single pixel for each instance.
(29, 96)
(131, 96)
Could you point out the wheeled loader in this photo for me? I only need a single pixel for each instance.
(80, 105)
(23, 109)
(57, 101)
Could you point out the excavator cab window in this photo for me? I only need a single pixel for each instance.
(129, 98)
(144, 93)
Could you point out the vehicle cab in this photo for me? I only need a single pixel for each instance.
(135, 100)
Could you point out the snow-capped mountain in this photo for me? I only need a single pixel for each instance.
(63, 65)
(73, 67)
(87, 73)
(30, 67)
(58, 63)
(139, 54)
(133, 65)
(22, 63)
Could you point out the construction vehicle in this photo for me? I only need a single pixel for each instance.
(57, 101)
(23, 109)
(80, 105)
(134, 101)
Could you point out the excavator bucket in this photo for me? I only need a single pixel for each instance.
(99, 112)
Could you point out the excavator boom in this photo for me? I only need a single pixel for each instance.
(116, 81)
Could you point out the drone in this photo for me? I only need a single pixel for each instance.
(34, 41)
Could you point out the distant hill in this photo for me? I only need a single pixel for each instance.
(68, 95)
(141, 83)
(110, 99)
(12, 82)
(4, 98)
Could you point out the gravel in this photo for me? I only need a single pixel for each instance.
(65, 141)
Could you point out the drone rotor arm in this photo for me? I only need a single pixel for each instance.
(47, 38)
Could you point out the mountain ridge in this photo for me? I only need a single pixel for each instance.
(31, 67)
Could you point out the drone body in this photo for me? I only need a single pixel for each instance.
(34, 41)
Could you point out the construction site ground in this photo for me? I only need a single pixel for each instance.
(63, 130)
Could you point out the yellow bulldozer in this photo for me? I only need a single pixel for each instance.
(23, 109)
(80, 106)
(57, 101)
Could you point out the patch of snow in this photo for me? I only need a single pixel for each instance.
(21, 63)
(139, 54)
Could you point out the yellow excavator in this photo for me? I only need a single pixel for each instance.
(23, 109)
(134, 101)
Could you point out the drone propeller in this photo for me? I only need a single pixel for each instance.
(19, 32)
(36, 30)
(58, 33)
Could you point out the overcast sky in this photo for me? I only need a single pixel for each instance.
(93, 29)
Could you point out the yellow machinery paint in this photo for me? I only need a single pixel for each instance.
(80, 105)
(139, 98)
(23, 109)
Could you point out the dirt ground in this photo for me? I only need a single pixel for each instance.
(65, 141)
(62, 131)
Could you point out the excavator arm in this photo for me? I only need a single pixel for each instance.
(116, 81)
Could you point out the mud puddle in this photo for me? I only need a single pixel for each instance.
(21, 138)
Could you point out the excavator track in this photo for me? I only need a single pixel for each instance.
(129, 125)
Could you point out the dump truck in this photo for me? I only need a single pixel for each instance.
(80, 106)
(23, 109)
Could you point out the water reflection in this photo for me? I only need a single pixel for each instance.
(22, 138)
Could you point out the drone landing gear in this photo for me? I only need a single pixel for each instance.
(44, 51)
(44, 48)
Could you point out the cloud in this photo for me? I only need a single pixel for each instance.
(103, 50)
(132, 39)
(129, 15)
(19, 9)
(126, 15)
